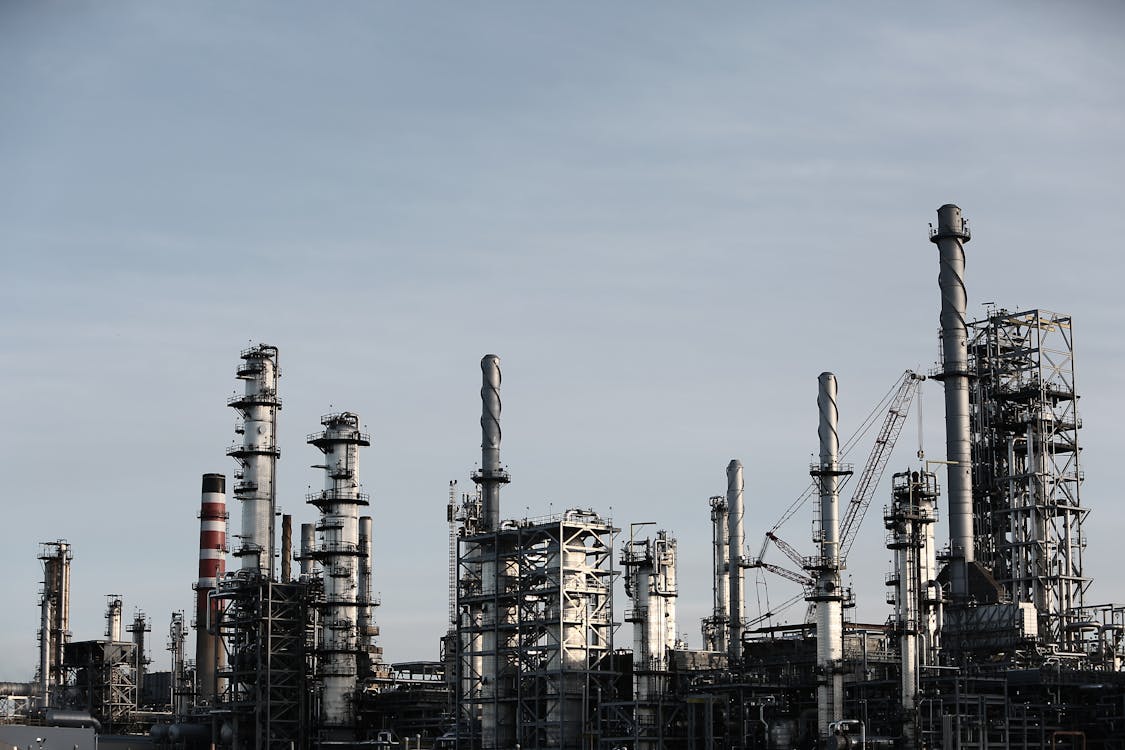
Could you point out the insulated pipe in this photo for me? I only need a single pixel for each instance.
(950, 236)
(308, 544)
(827, 593)
(735, 541)
(212, 566)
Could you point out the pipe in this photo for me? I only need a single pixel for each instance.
(366, 602)
(212, 566)
(827, 592)
(286, 548)
(950, 236)
(735, 542)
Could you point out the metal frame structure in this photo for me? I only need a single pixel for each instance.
(103, 673)
(553, 651)
(1026, 505)
(267, 629)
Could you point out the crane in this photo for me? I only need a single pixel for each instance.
(903, 393)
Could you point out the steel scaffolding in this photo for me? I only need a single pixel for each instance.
(102, 674)
(267, 630)
(550, 615)
(1026, 475)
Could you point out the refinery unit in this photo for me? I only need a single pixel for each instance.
(990, 642)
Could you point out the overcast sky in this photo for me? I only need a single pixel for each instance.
(666, 219)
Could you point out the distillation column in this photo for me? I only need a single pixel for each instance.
(715, 626)
(498, 715)
(950, 236)
(367, 628)
(212, 566)
(910, 523)
(827, 592)
(257, 455)
(54, 632)
(339, 553)
(113, 615)
(650, 580)
(736, 535)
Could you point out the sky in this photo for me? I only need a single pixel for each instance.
(666, 220)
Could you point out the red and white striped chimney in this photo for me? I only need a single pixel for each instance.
(212, 565)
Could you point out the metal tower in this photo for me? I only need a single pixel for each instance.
(1026, 479)
(341, 559)
(257, 454)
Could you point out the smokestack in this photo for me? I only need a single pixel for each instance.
(950, 236)
(735, 542)
(491, 475)
(828, 595)
(212, 566)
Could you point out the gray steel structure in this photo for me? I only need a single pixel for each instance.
(1026, 469)
(535, 620)
(101, 677)
(552, 653)
(950, 236)
(266, 628)
(827, 593)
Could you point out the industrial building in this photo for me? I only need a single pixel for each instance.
(990, 641)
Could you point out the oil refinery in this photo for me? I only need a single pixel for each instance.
(562, 628)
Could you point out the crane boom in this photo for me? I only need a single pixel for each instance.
(877, 460)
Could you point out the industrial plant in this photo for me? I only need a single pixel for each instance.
(562, 628)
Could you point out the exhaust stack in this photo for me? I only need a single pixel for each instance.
(735, 540)
(827, 592)
(212, 566)
(950, 237)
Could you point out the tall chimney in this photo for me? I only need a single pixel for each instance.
(491, 475)
(950, 236)
(827, 593)
(212, 566)
(735, 541)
